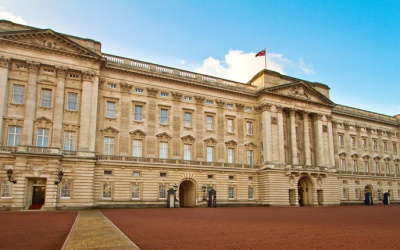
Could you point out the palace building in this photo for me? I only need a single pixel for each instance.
(84, 129)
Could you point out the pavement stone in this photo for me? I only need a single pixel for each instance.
(92, 230)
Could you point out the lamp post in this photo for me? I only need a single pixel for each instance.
(60, 175)
(9, 175)
(204, 191)
(175, 187)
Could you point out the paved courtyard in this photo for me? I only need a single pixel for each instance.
(352, 227)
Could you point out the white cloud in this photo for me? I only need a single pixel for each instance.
(240, 66)
(11, 17)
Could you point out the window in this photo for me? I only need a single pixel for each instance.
(137, 148)
(229, 105)
(18, 94)
(188, 119)
(231, 193)
(187, 152)
(162, 192)
(14, 136)
(353, 141)
(377, 167)
(210, 176)
(42, 139)
(69, 140)
(364, 143)
(395, 148)
(112, 86)
(210, 153)
(110, 109)
(249, 128)
(355, 166)
(45, 98)
(230, 126)
(164, 94)
(250, 193)
(187, 98)
(344, 193)
(248, 109)
(6, 189)
(387, 168)
(107, 191)
(136, 174)
(135, 191)
(357, 193)
(210, 122)
(366, 166)
(107, 172)
(341, 144)
(138, 115)
(109, 145)
(250, 178)
(139, 90)
(209, 102)
(164, 116)
(343, 164)
(72, 103)
(231, 155)
(163, 153)
(163, 174)
(250, 157)
(374, 145)
(231, 177)
(65, 190)
(385, 146)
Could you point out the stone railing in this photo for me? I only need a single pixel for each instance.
(126, 62)
(8, 149)
(307, 168)
(364, 113)
(367, 173)
(173, 161)
(38, 150)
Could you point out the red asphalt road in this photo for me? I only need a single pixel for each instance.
(346, 227)
(35, 230)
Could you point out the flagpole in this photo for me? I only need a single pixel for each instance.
(265, 58)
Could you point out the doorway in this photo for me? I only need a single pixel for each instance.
(304, 191)
(38, 194)
(187, 194)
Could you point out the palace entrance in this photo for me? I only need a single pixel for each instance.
(187, 194)
(304, 189)
(38, 194)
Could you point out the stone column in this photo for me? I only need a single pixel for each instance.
(307, 151)
(30, 104)
(59, 108)
(220, 130)
(93, 113)
(176, 126)
(199, 125)
(331, 142)
(319, 140)
(281, 135)
(124, 119)
(151, 121)
(4, 71)
(293, 138)
(85, 112)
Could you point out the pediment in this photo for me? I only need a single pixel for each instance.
(43, 120)
(164, 135)
(138, 132)
(301, 91)
(188, 138)
(109, 129)
(250, 144)
(46, 39)
(231, 143)
(211, 140)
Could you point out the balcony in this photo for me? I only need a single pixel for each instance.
(174, 162)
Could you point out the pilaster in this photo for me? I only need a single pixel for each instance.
(220, 127)
(282, 159)
(293, 138)
(331, 142)
(307, 151)
(124, 119)
(59, 108)
(319, 140)
(4, 71)
(199, 125)
(86, 106)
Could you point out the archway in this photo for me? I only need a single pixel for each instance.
(305, 191)
(369, 194)
(187, 194)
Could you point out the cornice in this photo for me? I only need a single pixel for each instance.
(338, 111)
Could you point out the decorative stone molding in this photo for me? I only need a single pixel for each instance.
(199, 99)
(299, 91)
(250, 145)
(188, 138)
(152, 91)
(329, 118)
(220, 103)
(176, 96)
(279, 109)
(71, 127)
(61, 72)
(358, 128)
(239, 106)
(126, 87)
(33, 67)
(274, 120)
(4, 62)
(263, 107)
(164, 135)
(87, 76)
(317, 117)
(43, 122)
(231, 143)
(369, 130)
(210, 140)
(109, 129)
(138, 132)
(324, 128)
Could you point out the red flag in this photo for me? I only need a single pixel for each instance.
(261, 53)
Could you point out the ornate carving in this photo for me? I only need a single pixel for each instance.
(152, 91)
(125, 87)
(138, 132)
(369, 130)
(250, 145)
(231, 143)
(109, 129)
(210, 140)
(33, 67)
(279, 109)
(164, 135)
(274, 120)
(317, 117)
(329, 118)
(4, 62)
(358, 128)
(324, 128)
(263, 107)
(188, 138)
(220, 103)
(61, 72)
(176, 95)
(87, 76)
(299, 92)
(199, 99)
(239, 106)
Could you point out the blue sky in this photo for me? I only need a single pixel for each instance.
(350, 45)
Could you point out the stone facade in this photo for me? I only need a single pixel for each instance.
(126, 133)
